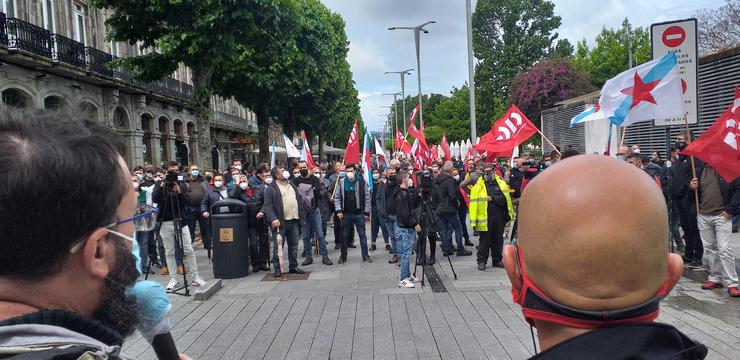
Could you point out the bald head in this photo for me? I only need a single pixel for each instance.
(592, 232)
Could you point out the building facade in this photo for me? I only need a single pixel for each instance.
(54, 55)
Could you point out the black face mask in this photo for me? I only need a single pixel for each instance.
(680, 145)
(304, 172)
(118, 309)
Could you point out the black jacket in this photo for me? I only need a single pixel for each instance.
(388, 195)
(653, 341)
(273, 203)
(730, 192)
(254, 202)
(447, 190)
(167, 204)
(515, 182)
(212, 196)
(682, 175)
(406, 203)
(314, 183)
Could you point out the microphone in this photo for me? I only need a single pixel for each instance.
(153, 305)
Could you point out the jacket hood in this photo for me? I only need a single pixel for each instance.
(442, 177)
(652, 341)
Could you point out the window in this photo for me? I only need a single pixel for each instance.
(8, 7)
(47, 14)
(79, 20)
(114, 48)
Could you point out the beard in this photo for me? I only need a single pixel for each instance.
(118, 309)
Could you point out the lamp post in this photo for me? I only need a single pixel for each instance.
(389, 108)
(395, 108)
(417, 30)
(471, 69)
(403, 74)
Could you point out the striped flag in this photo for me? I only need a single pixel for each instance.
(367, 161)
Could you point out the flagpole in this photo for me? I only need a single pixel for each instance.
(624, 135)
(693, 163)
(548, 141)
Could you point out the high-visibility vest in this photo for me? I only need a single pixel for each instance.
(479, 203)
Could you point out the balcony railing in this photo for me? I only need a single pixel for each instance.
(3, 32)
(29, 37)
(67, 51)
(224, 119)
(21, 35)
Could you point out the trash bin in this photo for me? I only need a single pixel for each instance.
(230, 239)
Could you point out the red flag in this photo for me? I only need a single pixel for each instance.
(417, 133)
(406, 147)
(511, 130)
(352, 152)
(400, 139)
(306, 152)
(718, 146)
(446, 147)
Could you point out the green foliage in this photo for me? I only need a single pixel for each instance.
(509, 36)
(563, 49)
(610, 54)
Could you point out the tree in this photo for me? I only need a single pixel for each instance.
(200, 34)
(719, 28)
(508, 37)
(563, 49)
(546, 83)
(610, 55)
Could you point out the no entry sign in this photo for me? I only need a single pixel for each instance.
(679, 37)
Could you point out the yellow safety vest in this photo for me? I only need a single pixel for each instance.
(479, 203)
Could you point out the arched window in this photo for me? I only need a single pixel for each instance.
(16, 98)
(54, 103)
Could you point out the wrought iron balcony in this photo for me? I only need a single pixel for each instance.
(98, 61)
(3, 32)
(29, 37)
(67, 51)
(235, 122)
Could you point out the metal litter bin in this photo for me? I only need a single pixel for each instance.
(230, 239)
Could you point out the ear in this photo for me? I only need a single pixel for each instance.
(97, 254)
(674, 270)
(511, 269)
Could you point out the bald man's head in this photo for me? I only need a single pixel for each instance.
(592, 233)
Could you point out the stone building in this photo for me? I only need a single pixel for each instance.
(54, 55)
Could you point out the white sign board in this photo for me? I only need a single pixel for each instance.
(679, 37)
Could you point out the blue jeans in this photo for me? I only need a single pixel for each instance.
(142, 237)
(313, 224)
(406, 240)
(390, 223)
(376, 223)
(289, 229)
(358, 221)
(451, 221)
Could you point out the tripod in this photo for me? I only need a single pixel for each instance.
(421, 240)
(171, 199)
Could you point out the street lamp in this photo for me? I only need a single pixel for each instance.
(416, 29)
(395, 110)
(471, 69)
(403, 92)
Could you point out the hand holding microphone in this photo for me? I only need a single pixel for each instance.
(153, 305)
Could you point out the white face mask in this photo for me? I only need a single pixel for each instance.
(351, 176)
(376, 176)
(136, 185)
(286, 175)
(456, 177)
(268, 180)
(243, 186)
(238, 167)
(218, 184)
(409, 182)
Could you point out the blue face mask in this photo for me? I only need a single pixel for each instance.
(342, 173)
(195, 173)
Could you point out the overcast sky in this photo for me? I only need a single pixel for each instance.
(374, 50)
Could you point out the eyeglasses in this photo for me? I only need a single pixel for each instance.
(145, 219)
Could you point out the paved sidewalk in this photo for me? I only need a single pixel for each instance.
(356, 311)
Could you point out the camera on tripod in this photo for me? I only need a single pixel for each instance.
(425, 180)
(172, 178)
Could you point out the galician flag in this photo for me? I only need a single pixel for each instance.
(306, 152)
(591, 113)
(290, 148)
(352, 152)
(650, 91)
(382, 159)
(367, 162)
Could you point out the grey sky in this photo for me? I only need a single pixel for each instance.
(374, 50)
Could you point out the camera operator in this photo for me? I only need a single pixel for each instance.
(493, 210)
(447, 210)
(407, 206)
(429, 196)
(169, 195)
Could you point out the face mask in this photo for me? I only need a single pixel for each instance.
(141, 177)
(238, 167)
(286, 175)
(342, 173)
(243, 186)
(136, 185)
(209, 177)
(548, 163)
(157, 178)
(218, 184)
(318, 176)
(409, 182)
(304, 172)
(195, 173)
(456, 177)
(376, 176)
(435, 169)
(268, 180)
(351, 176)
(680, 145)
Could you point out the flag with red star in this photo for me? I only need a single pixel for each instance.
(653, 90)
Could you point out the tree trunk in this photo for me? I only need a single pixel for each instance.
(202, 93)
(321, 148)
(263, 125)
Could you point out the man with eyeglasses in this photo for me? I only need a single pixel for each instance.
(171, 199)
(66, 272)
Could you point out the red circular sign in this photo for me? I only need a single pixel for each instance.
(674, 36)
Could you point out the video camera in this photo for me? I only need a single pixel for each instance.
(172, 178)
(528, 163)
(425, 179)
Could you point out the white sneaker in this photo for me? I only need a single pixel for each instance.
(406, 283)
(172, 284)
(198, 281)
(413, 278)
